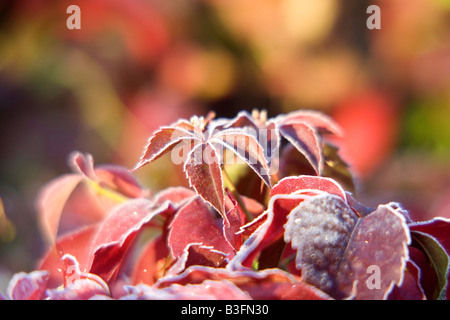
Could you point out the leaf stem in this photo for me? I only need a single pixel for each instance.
(235, 193)
(110, 194)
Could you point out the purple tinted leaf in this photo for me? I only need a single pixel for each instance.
(410, 288)
(205, 175)
(429, 281)
(28, 286)
(335, 248)
(303, 128)
(380, 239)
(439, 228)
(433, 237)
(320, 230)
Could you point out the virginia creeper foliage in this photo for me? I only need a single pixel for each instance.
(286, 226)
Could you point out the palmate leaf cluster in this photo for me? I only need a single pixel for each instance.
(287, 227)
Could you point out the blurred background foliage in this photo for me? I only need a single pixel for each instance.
(137, 64)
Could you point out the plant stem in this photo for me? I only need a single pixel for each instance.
(236, 194)
(110, 194)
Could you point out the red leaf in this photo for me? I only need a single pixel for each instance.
(119, 179)
(266, 284)
(51, 201)
(77, 244)
(146, 269)
(207, 290)
(232, 223)
(59, 195)
(194, 223)
(196, 254)
(291, 185)
(285, 196)
(28, 286)
(176, 195)
(205, 175)
(116, 233)
(380, 239)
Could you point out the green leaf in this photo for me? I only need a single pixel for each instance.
(438, 259)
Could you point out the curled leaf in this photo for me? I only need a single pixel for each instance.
(433, 237)
(105, 186)
(78, 285)
(51, 201)
(28, 286)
